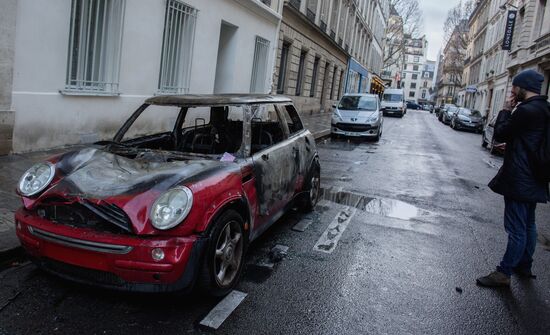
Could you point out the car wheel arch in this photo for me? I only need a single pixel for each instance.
(239, 204)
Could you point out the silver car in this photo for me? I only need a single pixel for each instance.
(358, 115)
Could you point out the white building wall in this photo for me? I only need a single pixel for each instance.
(46, 118)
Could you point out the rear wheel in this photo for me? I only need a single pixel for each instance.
(483, 142)
(223, 260)
(312, 190)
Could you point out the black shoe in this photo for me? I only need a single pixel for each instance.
(494, 279)
(522, 273)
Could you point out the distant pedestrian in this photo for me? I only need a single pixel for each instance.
(522, 128)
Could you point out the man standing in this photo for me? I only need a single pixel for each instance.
(522, 129)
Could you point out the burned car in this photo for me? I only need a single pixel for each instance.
(175, 198)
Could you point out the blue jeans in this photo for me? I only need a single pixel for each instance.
(519, 223)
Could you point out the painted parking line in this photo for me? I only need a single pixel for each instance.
(328, 241)
(223, 309)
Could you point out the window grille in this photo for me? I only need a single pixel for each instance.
(282, 69)
(259, 66)
(94, 46)
(177, 47)
(301, 68)
(314, 77)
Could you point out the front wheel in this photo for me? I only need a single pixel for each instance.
(224, 257)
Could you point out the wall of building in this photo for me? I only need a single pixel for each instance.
(303, 37)
(46, 118)
(7, 52)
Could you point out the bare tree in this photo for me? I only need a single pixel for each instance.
(456, 38)
(406, 20)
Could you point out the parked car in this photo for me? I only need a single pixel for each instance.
(442, 110)
(413, 105)
(358, 115)
(175, 198)
(487, 140)
(393, 102)
(448, 113)
(465, 118)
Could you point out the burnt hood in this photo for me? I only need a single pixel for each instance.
(98, 174)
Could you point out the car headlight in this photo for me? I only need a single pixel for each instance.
(336, 116)
(35, 179)
(171, 208)
(373, 118)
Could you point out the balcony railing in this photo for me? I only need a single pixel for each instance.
(310, 15)
(295, 3)
(323, 26)
(267, 2)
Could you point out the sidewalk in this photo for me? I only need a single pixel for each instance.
(13, 166)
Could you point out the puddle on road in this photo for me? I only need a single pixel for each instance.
(386, 207)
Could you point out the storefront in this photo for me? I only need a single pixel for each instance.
(357, 78)
(377, 85)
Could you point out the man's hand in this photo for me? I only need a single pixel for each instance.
(501, 146)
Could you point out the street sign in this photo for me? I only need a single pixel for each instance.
(509, 30)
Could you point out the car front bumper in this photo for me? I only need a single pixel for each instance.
(355, 130)
(470, 126)
(120, 262)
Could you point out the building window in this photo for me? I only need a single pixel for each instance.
(94, 46)
(341, 84)
(259, 67)
(423, 94)
(331, 95)
(414, 76)
(426, 75)
(415, 67)
(177, 47)
(314, 77)
(413, 85)
(411, 94)
(301, 70)
(282, 69)
(416, 59)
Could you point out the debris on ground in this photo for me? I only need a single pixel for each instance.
(458, 289)
(278, 253)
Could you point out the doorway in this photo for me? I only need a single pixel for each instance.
(225, 64)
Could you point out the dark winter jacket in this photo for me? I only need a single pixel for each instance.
(521, 130)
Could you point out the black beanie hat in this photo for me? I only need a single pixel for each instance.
(530, 80)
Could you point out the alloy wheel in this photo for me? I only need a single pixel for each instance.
(228, 254)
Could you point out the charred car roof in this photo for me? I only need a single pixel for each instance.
(215, 99)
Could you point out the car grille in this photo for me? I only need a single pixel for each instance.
(80, 274)
(102, 217)
(354, 127)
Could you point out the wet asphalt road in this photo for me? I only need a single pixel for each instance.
(406, 226)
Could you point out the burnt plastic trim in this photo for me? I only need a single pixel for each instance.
(80, 244)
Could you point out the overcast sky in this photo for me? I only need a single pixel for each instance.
(435, 13)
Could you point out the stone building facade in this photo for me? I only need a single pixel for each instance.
(327, 48)
(531, 44)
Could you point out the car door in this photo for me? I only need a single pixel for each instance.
(272, 155)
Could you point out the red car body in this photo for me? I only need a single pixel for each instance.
(91, 224)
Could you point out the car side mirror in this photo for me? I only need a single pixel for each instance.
(334, 106)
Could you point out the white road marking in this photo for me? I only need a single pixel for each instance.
(223, 309)
(328, 241)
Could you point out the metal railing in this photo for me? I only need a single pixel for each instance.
(177, 47)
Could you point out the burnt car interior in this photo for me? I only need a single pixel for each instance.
(207, 130)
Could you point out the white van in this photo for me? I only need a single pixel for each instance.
(393, 102)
